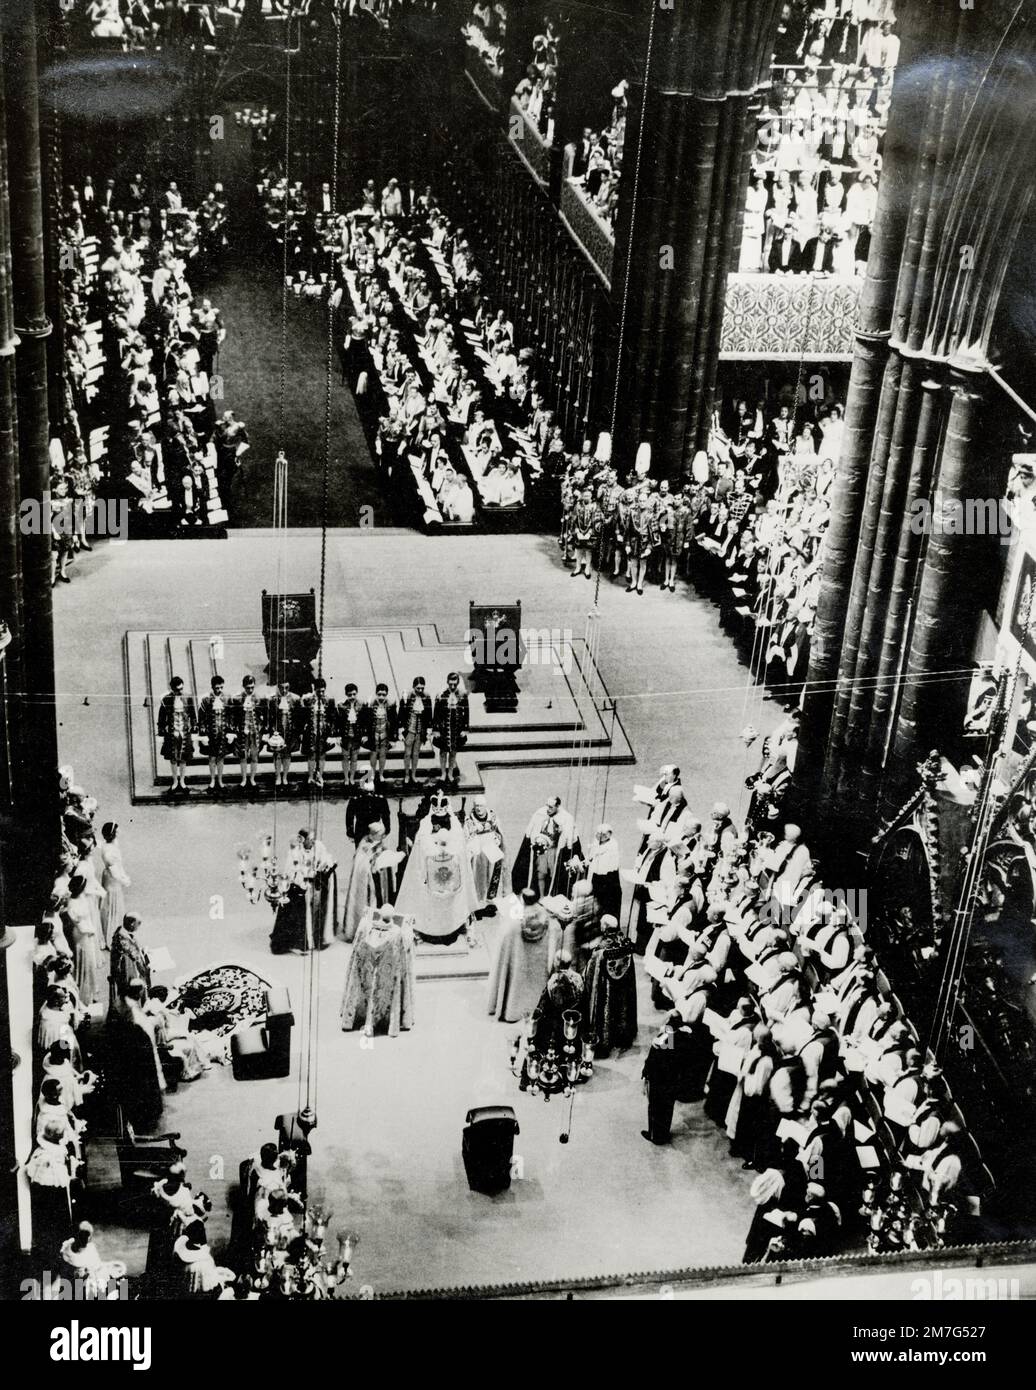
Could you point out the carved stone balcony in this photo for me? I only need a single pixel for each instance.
(769, 317)
(530, 144)
(587, 226)
(487, 83)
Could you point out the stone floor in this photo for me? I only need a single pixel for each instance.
(387, 1155)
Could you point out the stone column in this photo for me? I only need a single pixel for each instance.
(897, 609)
(943, 628)
(920, 142)
(10, 490)
(36, 756)
(680, 205)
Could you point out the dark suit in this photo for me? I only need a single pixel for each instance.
(364, 810)
(674, 1070)
(784, 254)
(581, 158)
(818, 255)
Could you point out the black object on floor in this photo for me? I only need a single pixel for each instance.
(487, 1146)
(260, 1051)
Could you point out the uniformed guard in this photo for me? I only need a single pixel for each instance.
(282, 730)
(349, 723)
(215, 724)
(318, 727)
(177, 724)
(249, 718)
(583, 519)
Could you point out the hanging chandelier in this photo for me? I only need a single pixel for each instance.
(260, 874)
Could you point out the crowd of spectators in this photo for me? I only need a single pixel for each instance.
(812, 194)
(486, 32)
(103, 1065)
(207, 27)
(537, 88)
(458, 417)
(138, 24)
(142, 356)
(103, 1059)
(597, 160)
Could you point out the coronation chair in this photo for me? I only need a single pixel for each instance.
(145, 1158)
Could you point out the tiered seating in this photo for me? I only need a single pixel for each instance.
(138, 386)
(446, 356)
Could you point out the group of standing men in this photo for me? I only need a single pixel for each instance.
(622, 529)
(285, 722)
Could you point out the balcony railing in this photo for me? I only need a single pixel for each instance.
(488, 84)
(790, 316)
(586, 224)
(530, 144)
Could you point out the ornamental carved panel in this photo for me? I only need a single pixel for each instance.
(530, 144)
(589, 229)
(776, 316)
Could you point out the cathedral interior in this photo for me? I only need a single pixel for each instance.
(366, 883)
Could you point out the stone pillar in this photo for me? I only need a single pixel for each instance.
(943, 627)
(10, 1255)
(523, 23)
(680, 204)
(35, 756)
(911, 149)
(898, 609)
(10, 490)
(53, 40)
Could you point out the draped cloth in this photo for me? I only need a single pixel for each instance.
(438, 888)
(367, 887)
(289, 925)
(323, 907)
(527, 949)
(611, 995)
(379, 984)
(492, 881)
(134, 1073)
(307, 920)
(546, 865)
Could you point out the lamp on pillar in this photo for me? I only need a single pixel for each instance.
(700, 467)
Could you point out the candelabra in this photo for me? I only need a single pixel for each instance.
(306, 1272)
(261, 877)
(891, 1224)
(564, 1063)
